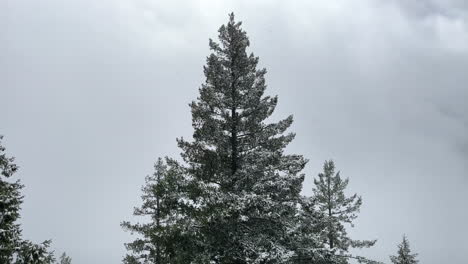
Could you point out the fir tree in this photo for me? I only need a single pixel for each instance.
(13, 249)
(10, 202)
(161, 238)
(31, 253)
(64, 259)
(247, 188)
(404, 255)
(337, 208)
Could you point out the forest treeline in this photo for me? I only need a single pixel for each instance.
(236, 195)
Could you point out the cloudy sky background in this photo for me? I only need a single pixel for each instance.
(92, 92)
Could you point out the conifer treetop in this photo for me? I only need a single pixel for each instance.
(228, 117)
(404, 255)
(338, 208)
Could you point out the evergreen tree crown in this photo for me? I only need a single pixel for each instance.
(404, 255)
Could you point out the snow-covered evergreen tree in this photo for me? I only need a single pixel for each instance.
(31, 253)
(161, 238)
(65, 259)
(404, 255)
(13, 249)
(248, 187)
(10, 202)
(337, 208)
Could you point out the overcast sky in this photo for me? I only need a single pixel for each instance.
(92, 92)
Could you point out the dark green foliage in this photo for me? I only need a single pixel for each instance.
(10, 202)
(30, 253)
(13, 249)
(163, 239)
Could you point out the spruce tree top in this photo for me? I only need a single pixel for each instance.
(404, 255)
(7, 166)
(230, 132)
(331, 200)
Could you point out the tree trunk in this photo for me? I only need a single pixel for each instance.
(330, 231)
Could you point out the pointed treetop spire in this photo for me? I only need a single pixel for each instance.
(404, 255)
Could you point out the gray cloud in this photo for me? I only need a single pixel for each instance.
(94, 91)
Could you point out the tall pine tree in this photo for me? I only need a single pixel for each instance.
(337, 208)
(404, 255)
(247, 187)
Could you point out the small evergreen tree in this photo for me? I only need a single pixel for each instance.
(64, 259)
(404, 255)
(337, 209)
(161, 238)
(13, 249)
